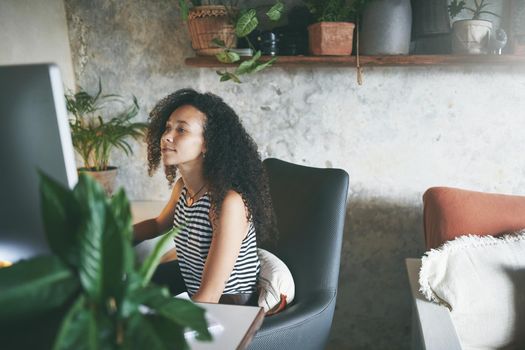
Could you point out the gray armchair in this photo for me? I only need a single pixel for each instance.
(310, 206)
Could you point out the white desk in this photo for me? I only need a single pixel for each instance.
(240, 323)
(432, 327)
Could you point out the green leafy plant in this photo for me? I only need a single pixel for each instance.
(245, 22)
(108, 301)
(330, 10)
(457, 6)
(94, 137)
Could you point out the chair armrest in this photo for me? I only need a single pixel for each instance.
(433, 323)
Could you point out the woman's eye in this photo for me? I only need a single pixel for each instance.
(180, 130)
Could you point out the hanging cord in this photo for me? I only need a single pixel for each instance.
(359, 70)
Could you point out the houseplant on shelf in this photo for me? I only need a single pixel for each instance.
(471, 36)
(208, 20)
(332, 34)
(220, 36)
(89, 293)
(95, 137)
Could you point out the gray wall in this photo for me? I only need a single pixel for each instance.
(404, 130)
(34, 31)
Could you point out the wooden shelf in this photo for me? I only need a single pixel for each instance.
(350, 61)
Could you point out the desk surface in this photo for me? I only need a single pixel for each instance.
(240, 323)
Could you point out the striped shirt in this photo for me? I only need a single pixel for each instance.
(194, 241)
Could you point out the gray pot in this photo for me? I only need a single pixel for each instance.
(386, 27)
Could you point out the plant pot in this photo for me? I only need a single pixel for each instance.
(471, 36)
(386, 27)
(331, 38)
(106, 178)
(206, 23)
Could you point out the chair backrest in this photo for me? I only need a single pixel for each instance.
(452, 212)
(310, 207)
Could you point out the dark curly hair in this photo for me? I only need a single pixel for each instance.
(231, 163)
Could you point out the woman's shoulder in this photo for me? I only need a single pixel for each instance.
(176, 191)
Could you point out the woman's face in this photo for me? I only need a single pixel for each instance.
(182, 142)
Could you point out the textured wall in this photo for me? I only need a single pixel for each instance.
(404, 130)
(35, 32)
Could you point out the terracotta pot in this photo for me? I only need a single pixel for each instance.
(106, 178)
(331, 38)
(206, 23)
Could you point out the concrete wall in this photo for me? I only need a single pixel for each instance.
(35, 32)
(404, 130)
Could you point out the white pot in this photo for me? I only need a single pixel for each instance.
(471, 36)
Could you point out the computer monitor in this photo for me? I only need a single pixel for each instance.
(34, 134)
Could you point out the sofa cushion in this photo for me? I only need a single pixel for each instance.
(276, 285)
(482, 281)
(451, 212)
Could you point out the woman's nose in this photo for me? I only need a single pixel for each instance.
(168, 136)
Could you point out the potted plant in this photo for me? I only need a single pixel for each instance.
(208, 20)
(222, 23)
(332, 34)
(95, 137)
(471, 36)
(89, 294)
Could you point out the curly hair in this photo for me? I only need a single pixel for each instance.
(231, 163)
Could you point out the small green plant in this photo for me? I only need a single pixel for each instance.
(245, 22)
(330, 10)
(107, 300)
(457, 6)
(94, 137)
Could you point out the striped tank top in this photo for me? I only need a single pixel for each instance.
(194, 241)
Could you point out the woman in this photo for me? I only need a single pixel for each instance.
(221, 197)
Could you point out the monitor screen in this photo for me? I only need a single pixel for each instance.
(34, 134)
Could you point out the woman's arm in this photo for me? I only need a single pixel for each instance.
(152, 228)
(228, 233)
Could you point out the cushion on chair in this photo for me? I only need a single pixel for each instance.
(451, 212)
(482, 281)
(276, 285)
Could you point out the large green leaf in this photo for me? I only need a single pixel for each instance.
(92, 200)
(61, 218)
(227, 56)
(182, 312)
(78, 329)
(148, 331)
(31, 287)
(225, 76)
(276, 11)
(151, 262)
(246, 23)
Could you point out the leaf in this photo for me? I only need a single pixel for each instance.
(260, 66)
(61, 218)
(276, 11)
(218, 42)
(455, 7)
(246, 23)
(182, 312)
(78, 329)
(184, 10)
(152, 332)
(151, 262)
(92, 200)
(225, 76)
(227, 56)
(34, 286)
(249, 65)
